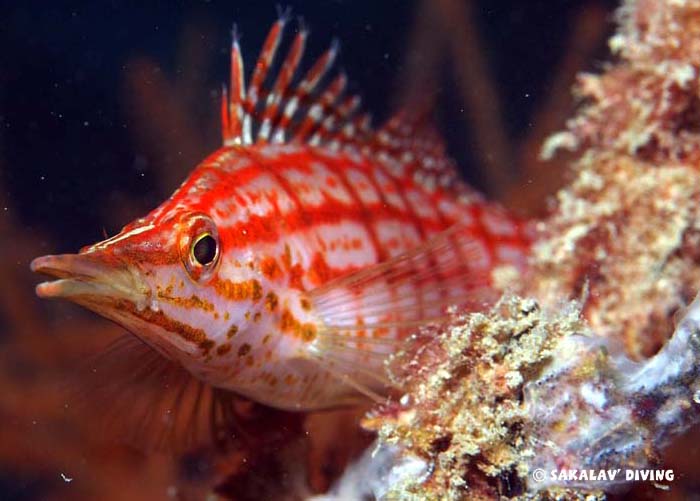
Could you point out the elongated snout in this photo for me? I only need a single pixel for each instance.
(88, 276)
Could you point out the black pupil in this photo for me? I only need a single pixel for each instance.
(205, 250)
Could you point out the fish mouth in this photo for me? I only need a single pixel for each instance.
(87, 278)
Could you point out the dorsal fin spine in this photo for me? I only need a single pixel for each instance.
(226, 125)
(314, 111)
(242, 120)
(262, 66)
(301, 94)
(286, 73)
(318, 110)
(343, 117)
(232, 111)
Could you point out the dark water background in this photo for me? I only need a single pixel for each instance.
(68, 138)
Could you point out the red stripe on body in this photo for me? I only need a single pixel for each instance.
(339, 170)
(219, 183)
(418, 224)
(261, 229)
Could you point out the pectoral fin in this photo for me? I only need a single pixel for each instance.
(369, 314)
(139, 397)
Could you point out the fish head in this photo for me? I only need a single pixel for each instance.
(157, 278)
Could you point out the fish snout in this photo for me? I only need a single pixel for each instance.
(89, 276)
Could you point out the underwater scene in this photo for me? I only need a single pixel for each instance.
(350, 250)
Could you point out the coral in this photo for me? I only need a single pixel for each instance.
(625, 232)
(494, 397)
(595, 409)
(463, 411)
(623, 239)
(645, 105)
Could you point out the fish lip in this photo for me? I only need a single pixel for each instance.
(86, 277)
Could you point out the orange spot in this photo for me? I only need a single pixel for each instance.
(256, 317)
(270, 268)
(319, 271)
(271, 301)
(305, 304)
(287, 257)
(232, 331)
(223, 349)
(295, 274)
(239, 291)
(288, 323)
(308, 332)
(360, 321)
(207, 345)
(243, 350)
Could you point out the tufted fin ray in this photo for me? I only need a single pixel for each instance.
(281, 112)
(280, 106)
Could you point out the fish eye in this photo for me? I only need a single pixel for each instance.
(205, 249)
(200, 247)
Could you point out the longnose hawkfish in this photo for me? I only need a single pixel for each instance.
(297, 257)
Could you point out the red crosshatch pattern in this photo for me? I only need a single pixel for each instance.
(334, 242)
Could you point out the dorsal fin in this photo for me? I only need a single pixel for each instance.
(410, 146)
(316, 111)
(312, 110)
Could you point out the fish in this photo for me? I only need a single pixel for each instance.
(295, 259)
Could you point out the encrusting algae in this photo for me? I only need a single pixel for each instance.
(464, 411)
(624, 239)
(627, 228)
(497, 398)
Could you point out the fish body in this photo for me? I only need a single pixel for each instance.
(294, 259)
